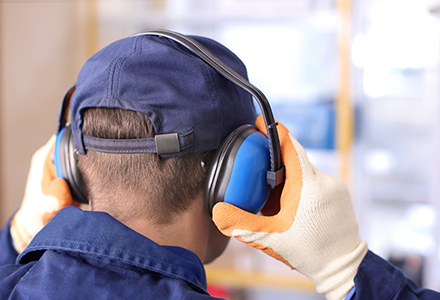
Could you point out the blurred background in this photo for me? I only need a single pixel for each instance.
(356, 82)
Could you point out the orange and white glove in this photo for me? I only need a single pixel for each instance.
(44, 196)
(315, 230)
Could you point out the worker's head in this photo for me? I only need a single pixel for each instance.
(146, 117)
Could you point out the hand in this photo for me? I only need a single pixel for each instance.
(315, 230)
(44, 196)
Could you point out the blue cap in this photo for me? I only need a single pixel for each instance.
(192, 107)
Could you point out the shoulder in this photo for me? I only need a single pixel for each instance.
(77, 276)
(378, 279)
(10, 276)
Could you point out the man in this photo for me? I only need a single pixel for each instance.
(148, 231)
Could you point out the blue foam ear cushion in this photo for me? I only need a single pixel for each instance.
(247, 186)
(56, 158)
(237, 173)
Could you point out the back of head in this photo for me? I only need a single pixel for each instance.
(139, 184)
(144, 114)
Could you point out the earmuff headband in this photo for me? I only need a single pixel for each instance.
(275, 175)
(62, 117)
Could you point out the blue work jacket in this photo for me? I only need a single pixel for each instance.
(91, 255)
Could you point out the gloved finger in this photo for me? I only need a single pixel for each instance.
(297, 164)
(228, 217)
(48, 170)
(56, 187)
(286, 142)
(39, 157)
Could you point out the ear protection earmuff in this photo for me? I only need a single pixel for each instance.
(237, 172)
(245, 167)
(64, 155)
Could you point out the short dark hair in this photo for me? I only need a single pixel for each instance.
(128, 185)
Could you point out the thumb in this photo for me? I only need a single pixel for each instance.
(53, 186)
(248, 228)
(228, 217)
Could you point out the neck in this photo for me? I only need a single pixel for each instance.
(192, 229)
(188, 230)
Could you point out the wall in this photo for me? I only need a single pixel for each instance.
(42, 47)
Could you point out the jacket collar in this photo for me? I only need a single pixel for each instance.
(98, 233)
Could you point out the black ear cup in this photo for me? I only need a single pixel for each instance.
(66, 165)
(237, 173)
